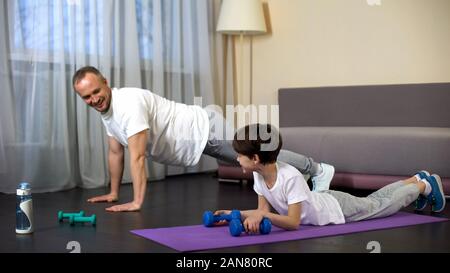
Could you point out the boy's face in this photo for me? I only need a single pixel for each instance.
(246, 163)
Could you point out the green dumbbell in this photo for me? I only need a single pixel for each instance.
(83, 219)
(66, 215)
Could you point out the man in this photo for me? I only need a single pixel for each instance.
(168, 132)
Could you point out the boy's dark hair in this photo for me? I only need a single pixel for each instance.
(263, 140)
(81, 73)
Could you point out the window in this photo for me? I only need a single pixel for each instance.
(38, 32)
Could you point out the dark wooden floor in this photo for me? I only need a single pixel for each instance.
(181, 200)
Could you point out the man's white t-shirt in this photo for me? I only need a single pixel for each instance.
(318, 208)
(177, 133)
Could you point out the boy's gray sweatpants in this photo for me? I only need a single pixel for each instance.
(384, 202)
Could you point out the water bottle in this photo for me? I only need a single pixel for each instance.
(24, 209)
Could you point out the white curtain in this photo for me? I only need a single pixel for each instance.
(48, 136)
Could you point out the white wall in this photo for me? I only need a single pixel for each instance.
(349, 42)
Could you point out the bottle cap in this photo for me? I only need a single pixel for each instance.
(24, 186)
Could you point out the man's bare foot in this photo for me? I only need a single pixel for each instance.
(125, 207)
(104, 198)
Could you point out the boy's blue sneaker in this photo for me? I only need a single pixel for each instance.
(422, 201)
(436, 198)
(422, 174)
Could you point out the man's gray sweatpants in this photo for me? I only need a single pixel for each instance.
(221, 148)
(382, 203)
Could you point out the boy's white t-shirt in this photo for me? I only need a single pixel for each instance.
(318, 208)
(177, 133)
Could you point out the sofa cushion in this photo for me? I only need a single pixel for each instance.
(404, 105)
(374, 150)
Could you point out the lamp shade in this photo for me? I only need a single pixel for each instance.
(241, 16)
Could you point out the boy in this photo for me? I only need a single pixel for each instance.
(283, 188)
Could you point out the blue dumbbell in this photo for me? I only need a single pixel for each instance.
(236, 227)
(209, 218)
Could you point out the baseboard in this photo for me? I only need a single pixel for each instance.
(227, 180)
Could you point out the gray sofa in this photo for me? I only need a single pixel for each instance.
(373, 135)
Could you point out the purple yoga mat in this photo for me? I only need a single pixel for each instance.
(199, 237)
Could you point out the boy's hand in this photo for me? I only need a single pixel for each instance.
(222, 211)
(251, 223)
(219, 212)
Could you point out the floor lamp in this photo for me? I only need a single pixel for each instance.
(241, 17)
